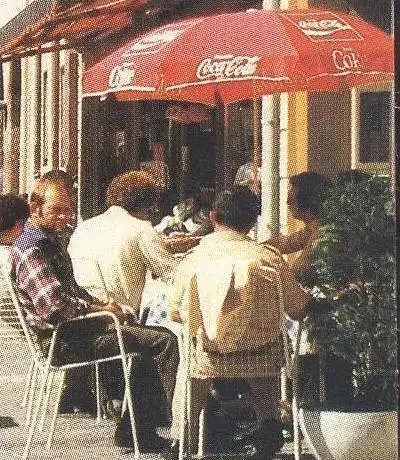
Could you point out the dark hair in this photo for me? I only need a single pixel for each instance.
(237, 208)
(12, 209)
(312, 191)
(60, 176)
(132, 191)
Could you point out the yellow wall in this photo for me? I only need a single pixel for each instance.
(297, 156)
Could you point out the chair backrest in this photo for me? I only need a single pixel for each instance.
(10, 326)
(237, 303)
(88, 274)
(29, 334)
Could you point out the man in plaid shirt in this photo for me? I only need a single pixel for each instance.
(42, 271)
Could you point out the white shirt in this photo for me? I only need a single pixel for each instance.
(124, 248)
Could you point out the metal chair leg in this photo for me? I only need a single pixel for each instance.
(296, 430)
(124, 401)
(28, 384)
(46, 400)
(27, 448)
(130, 406)
(98, 405)
(55, 411)
(32, 390)
(202, 432)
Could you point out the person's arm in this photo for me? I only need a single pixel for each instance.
(294, 296)
(36, 278)
(287, 244)
(158, 259)
(51, 302)
(176, 304)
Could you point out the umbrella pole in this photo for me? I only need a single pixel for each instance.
(270, 154)
(256, 145)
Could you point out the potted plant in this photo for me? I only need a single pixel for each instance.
(353, 319)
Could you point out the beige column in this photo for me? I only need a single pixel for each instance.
(33, 140)
(11, 134)
(54, 137)
(294, 120)
(68, 117)
(24, 125)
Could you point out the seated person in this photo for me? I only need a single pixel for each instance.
(42, 272)
(128, 250)
(305, 198)
(13, 213)
(234, 214)
(176, 223)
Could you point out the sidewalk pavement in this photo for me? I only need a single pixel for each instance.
(76, 437)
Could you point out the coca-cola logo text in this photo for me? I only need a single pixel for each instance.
(322, 26)
(121, 75)
(346, 60)
(154, 41)
(228, 66)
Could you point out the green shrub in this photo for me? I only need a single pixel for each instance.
(352, 277)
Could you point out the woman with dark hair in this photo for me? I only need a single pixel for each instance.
(308, 191)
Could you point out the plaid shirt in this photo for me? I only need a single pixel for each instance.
(43, 274)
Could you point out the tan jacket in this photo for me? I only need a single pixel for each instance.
(233, 302)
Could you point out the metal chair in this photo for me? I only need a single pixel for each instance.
(11, 332)
(47, 370)
(256, 366)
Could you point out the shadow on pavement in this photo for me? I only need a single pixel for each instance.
(7, 422)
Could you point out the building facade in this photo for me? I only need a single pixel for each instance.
(322, 132)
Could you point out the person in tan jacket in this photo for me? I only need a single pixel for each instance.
(224, 257)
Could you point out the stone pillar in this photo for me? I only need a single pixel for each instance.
(54, 111)
(34, 130)
(294, 149)
(11, 75)
(24, 124)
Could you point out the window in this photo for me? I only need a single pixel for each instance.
(372, 129)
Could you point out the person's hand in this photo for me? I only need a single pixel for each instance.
(112, 307)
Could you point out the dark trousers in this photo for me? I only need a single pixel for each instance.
(153, 375)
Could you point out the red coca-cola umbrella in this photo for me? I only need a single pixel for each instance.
(239, 56)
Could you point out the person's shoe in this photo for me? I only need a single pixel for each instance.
(72, 404)
(173, 452)
(254, 452)
(149, 441)
(264, 439)
(112, 409)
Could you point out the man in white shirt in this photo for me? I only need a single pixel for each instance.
(123, 246)
(122, 240)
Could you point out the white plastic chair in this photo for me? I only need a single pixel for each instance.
(47, 370)
(291, 371)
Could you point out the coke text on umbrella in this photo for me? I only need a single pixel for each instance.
(242, 55)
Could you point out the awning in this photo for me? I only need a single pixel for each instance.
(78, 25)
